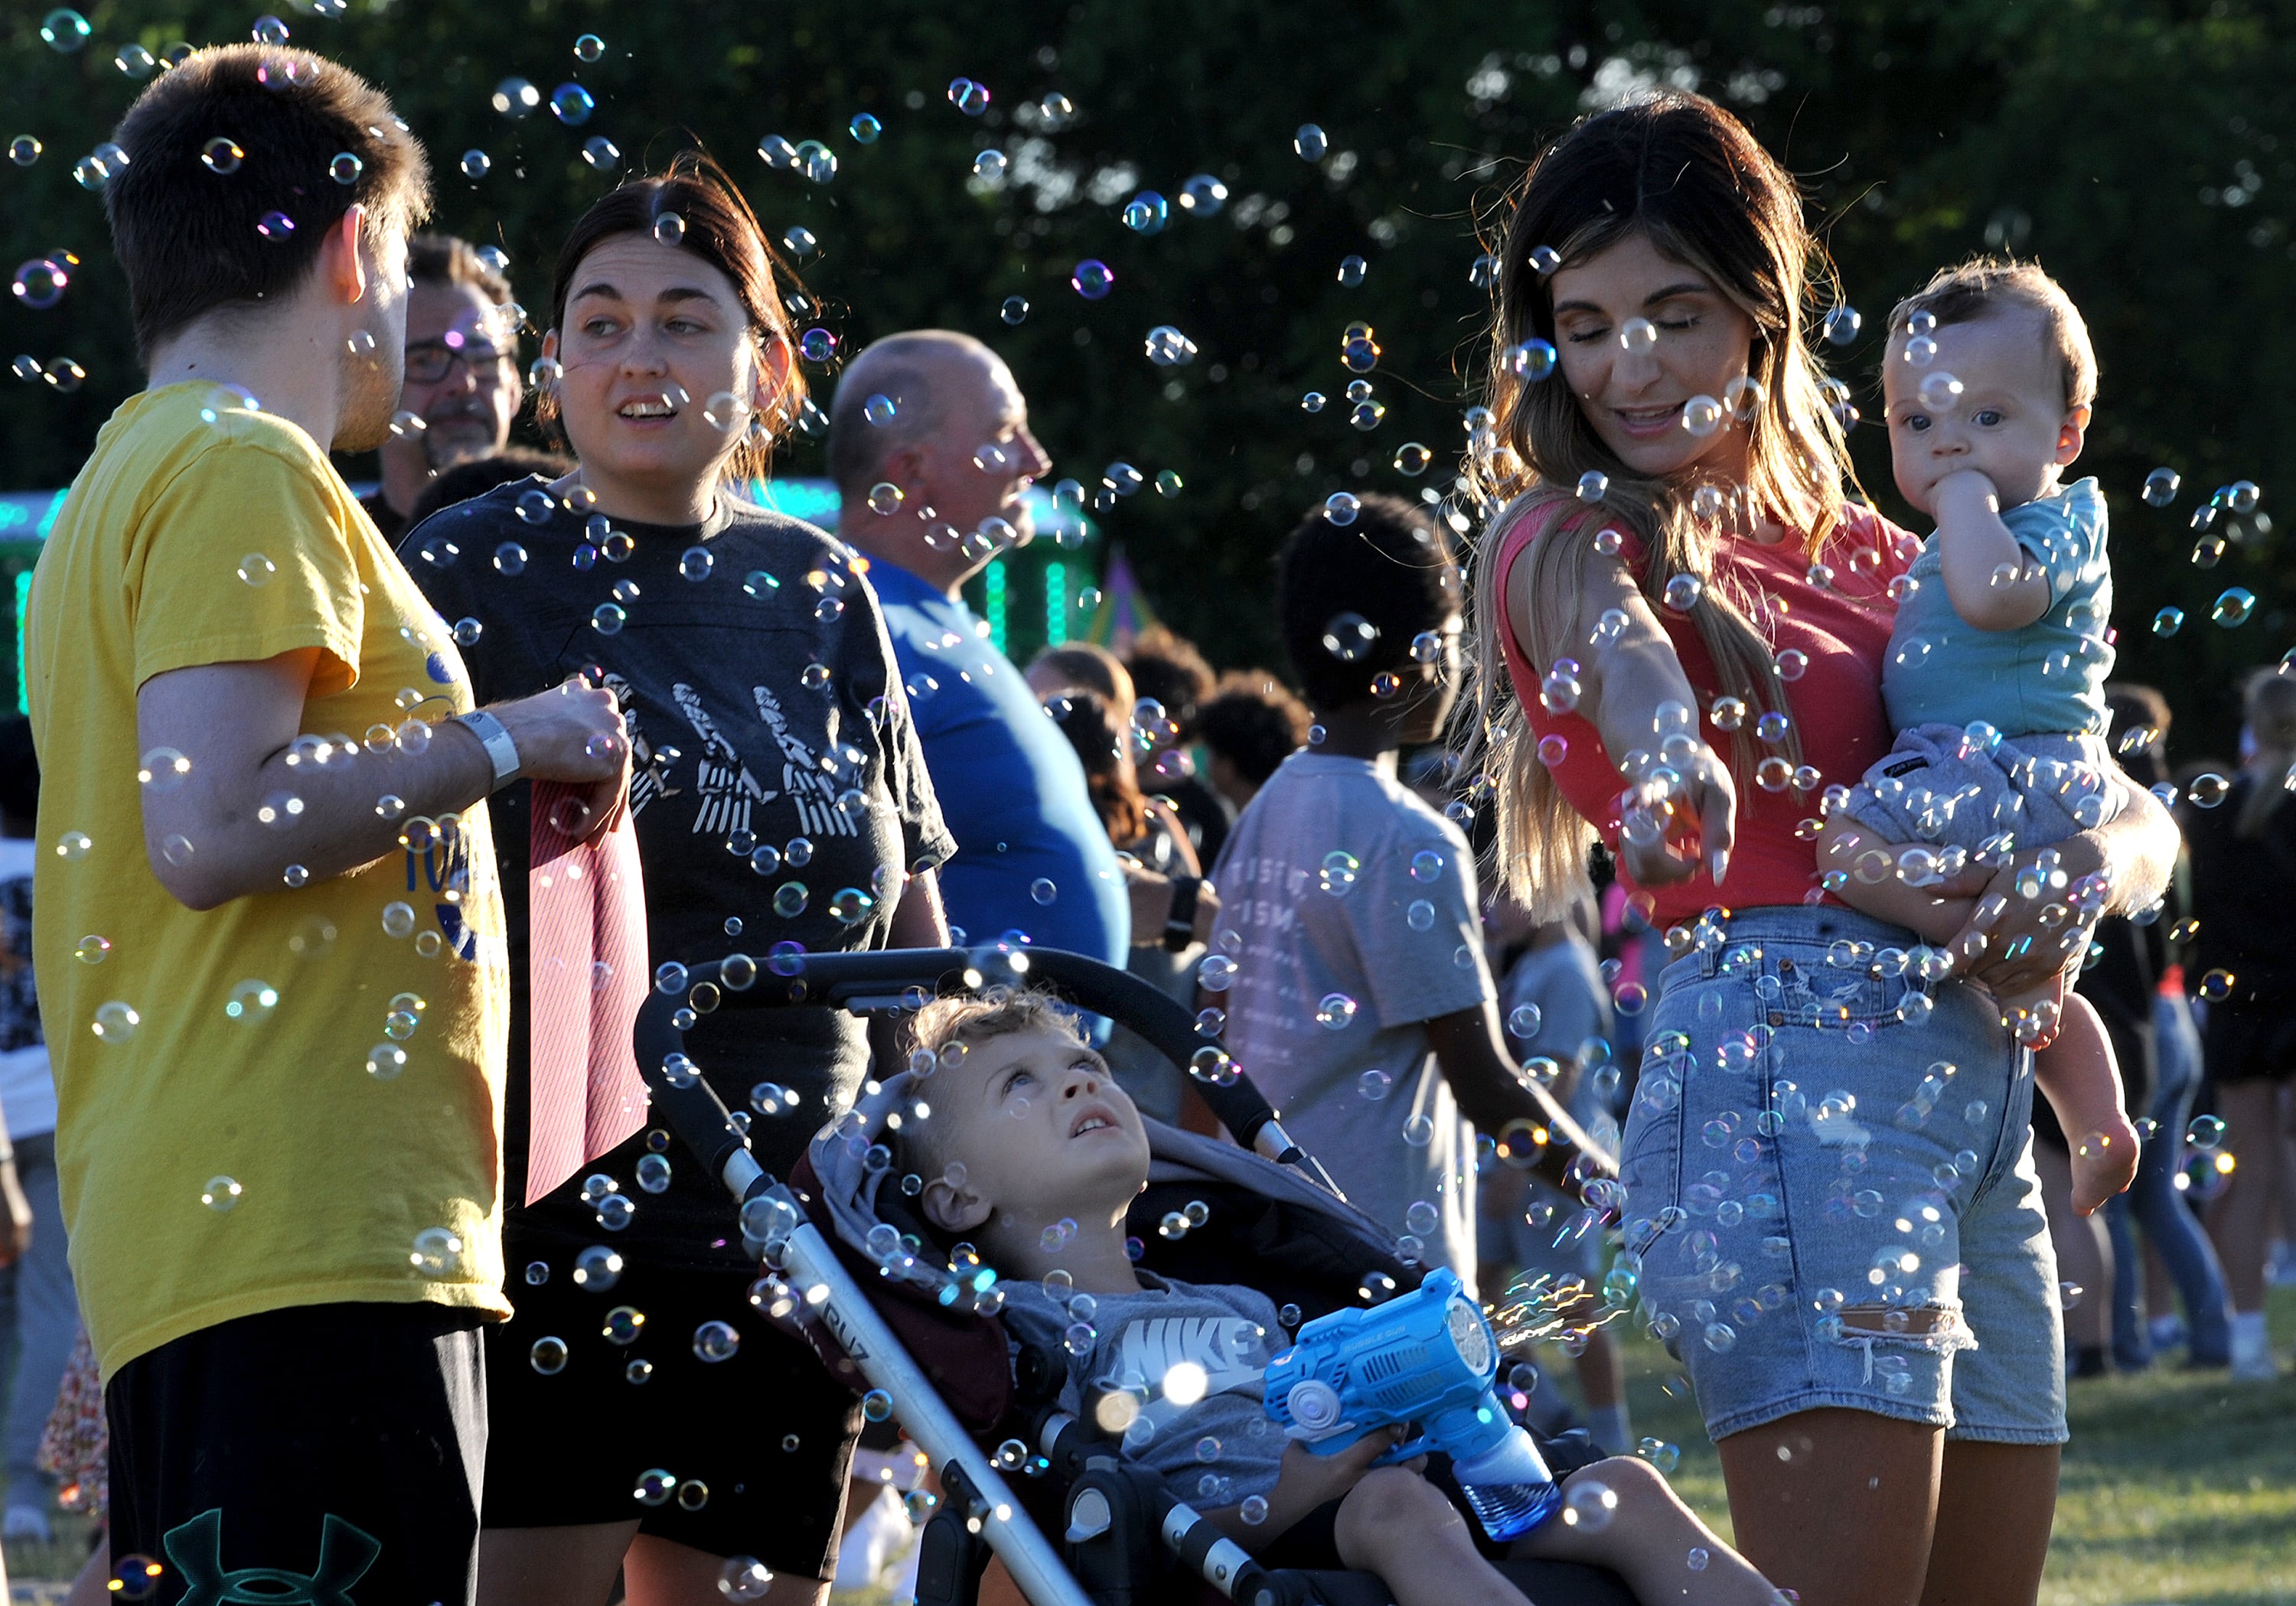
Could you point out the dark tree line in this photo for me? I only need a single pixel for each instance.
(2142, 150)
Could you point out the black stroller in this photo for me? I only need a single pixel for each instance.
(885, 1319)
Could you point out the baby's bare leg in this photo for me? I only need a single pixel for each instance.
(1651, 1540)
(2082, 1080)
(1397, 1524)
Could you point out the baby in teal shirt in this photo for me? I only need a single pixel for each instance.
(1995, 679)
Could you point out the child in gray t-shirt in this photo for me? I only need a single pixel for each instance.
(1028, 1147)
(1350, 952)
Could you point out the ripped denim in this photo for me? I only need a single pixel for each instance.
(1830, 1195)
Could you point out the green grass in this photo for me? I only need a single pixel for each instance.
(2178, 1486)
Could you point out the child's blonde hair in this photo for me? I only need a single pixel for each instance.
(999, 1012)
(1985, 286)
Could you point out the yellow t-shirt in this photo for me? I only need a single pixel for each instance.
(223, 1147)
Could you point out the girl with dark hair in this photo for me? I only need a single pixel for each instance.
(780, 802)
(1146, 828)
(1831, 1205)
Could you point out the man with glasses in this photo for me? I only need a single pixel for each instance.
(462, 387)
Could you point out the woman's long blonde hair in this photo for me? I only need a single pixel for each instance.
(1684, 173)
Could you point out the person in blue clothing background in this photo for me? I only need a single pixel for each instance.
(929, 446)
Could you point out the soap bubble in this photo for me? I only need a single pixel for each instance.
(221, 1195)
(968, 98)
(64, 30)
(1146, 213)
(597, 1269)
(1310, 142)
(436, 1251)
(41, 283)
(1841, 325)
(1092, 279)
(1589, 1504)
(572, 105)
(2233, 607)
(1532, 361)
(745, 1578)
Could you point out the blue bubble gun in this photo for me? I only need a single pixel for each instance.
(1423, 1361)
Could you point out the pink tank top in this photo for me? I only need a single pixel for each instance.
(1842, 630)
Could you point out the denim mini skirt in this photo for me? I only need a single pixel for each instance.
(1829, 1193)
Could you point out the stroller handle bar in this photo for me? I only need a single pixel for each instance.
(889, 977)
(843, 1307)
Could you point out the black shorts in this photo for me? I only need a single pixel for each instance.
(2249, 1042)
(319, 1452)
(756, 1446)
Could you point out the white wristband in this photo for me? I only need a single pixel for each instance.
(500, 749)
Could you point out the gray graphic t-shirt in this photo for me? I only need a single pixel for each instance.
(1192, 1356)
(777, 785)
(1349, 907)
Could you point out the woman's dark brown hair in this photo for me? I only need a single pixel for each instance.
(1098, 736)
(719, 228)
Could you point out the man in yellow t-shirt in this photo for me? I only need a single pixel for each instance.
(267, 933)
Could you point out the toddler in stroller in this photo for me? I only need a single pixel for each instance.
(1029, 1152)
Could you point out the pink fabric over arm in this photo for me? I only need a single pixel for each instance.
(587, 947)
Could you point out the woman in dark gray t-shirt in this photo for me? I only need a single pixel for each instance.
(781, 803)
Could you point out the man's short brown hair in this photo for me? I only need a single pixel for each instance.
(450, 260)
(1985, 286)
(194, 221)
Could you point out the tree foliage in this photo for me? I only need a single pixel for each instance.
(2141, 149)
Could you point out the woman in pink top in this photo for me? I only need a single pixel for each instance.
(1830, 1203)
